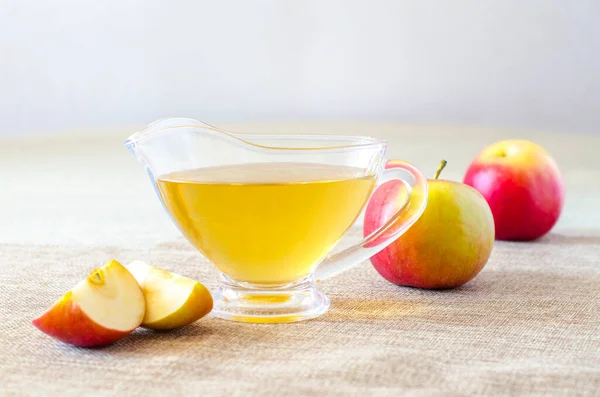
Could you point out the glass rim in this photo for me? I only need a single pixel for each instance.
(357, 141)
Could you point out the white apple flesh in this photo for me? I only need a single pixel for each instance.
(105, 307)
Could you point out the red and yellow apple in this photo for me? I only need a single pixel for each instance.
(522, 185)
(100, 310)
(446, 247)
(172, 300)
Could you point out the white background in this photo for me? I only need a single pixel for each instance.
(82, 65)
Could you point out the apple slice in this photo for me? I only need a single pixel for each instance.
(101, 309)
(172, 300)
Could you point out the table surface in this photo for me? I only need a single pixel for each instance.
(529, 324)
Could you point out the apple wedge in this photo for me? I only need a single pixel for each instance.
(172, 300)
(100, 310)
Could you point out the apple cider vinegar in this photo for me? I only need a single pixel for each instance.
(266, 223)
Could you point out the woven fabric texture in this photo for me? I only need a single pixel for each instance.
(527, 325)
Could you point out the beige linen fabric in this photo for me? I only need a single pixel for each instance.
(528, 325)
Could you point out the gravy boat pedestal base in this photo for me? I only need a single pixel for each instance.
(256, 304)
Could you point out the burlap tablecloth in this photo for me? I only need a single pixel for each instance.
(528, 325)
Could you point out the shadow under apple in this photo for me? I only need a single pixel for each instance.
(566, 239)
(515, 298)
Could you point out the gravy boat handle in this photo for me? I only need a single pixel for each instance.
(414, 187)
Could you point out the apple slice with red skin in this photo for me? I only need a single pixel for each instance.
(105, 307)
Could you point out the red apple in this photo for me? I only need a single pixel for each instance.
(101, 309)
(522, 185)
(446, 247)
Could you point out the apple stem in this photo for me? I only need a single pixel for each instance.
(439, 170)
(97, 277)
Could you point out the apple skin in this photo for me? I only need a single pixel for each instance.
(445, 248)
(522, 185)
(66, 322)
(172, 300)
(200, 300)
(101, 309)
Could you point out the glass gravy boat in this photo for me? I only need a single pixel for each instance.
(267, 209)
